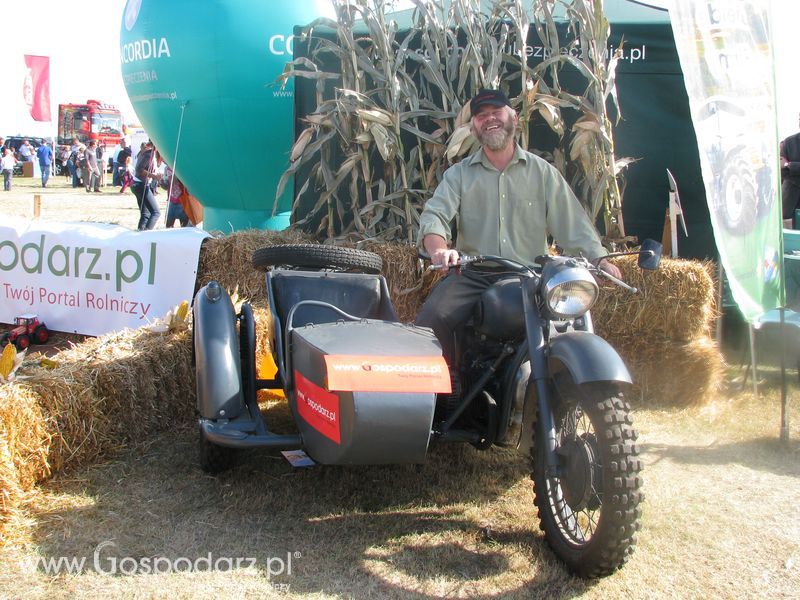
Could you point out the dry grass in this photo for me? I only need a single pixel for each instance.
(718, 486)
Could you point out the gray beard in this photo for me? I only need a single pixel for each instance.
(497, 139)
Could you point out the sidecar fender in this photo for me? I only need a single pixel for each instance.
(216, 345)
(587, 357)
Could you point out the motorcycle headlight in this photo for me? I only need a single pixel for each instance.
(569, 291)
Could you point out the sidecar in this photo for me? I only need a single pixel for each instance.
(361, 386)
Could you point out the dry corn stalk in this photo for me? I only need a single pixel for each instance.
(399, 101)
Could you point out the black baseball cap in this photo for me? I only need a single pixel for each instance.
(486, 97)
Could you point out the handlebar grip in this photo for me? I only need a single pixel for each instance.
(619, 282)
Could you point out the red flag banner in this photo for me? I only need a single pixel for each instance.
(36, 88)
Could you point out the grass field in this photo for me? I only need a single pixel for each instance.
(721, 496)
(61, 202)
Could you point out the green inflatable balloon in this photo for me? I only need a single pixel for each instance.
(200, 76)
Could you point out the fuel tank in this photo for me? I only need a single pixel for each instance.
(499, 314)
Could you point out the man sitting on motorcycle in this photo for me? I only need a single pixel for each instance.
(505, 201)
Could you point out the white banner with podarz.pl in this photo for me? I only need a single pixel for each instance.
(93, 278)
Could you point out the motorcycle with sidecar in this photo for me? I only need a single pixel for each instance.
(364, 388)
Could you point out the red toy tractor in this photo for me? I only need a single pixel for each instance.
(27, 329)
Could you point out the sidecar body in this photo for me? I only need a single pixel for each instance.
(361, 386)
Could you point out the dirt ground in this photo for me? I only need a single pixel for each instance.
(721, 495)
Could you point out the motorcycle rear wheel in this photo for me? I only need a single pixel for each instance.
(589, 510)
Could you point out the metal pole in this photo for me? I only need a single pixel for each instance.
(784, 400)
(175, 160)
(753, 359)
(673, 223)
(720, 275)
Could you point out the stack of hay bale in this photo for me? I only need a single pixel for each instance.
(664, 332)
(102, 395)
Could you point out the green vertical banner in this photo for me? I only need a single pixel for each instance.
(726, 58)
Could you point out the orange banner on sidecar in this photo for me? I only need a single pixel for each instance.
(387, 374)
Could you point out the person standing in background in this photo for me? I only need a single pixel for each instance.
(101, 165)
(26, 151)
(92, 178)
(177, 193)
(45, 155)
(66, 170)
(126, 176)
(73, 164)
(143, 172)
(7, 164)
(790, 178)
(115, 167)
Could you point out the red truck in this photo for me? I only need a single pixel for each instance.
(91, 121)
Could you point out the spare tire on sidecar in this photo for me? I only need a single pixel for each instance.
(361, 385)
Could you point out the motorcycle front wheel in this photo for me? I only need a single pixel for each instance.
(589, 507)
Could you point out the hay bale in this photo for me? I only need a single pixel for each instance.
(672, 374)
(116, 389)
(228, 260)
(71, 415)
(158, 382)
(408, 285)
(104, 393)
(10, 489)
(676, 302)
(26, 433)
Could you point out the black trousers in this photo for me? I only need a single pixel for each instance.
(449, 306)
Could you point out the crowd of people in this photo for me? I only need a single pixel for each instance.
(85, 165)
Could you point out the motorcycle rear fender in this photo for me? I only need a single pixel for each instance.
(587, 357)
(216, 344)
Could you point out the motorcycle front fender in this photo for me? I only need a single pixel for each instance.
(587, 357)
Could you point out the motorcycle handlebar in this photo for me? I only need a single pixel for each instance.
(467, 259)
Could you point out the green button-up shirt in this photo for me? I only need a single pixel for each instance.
(509, 213)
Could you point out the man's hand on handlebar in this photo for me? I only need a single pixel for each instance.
(609, 268)
(444, 257)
